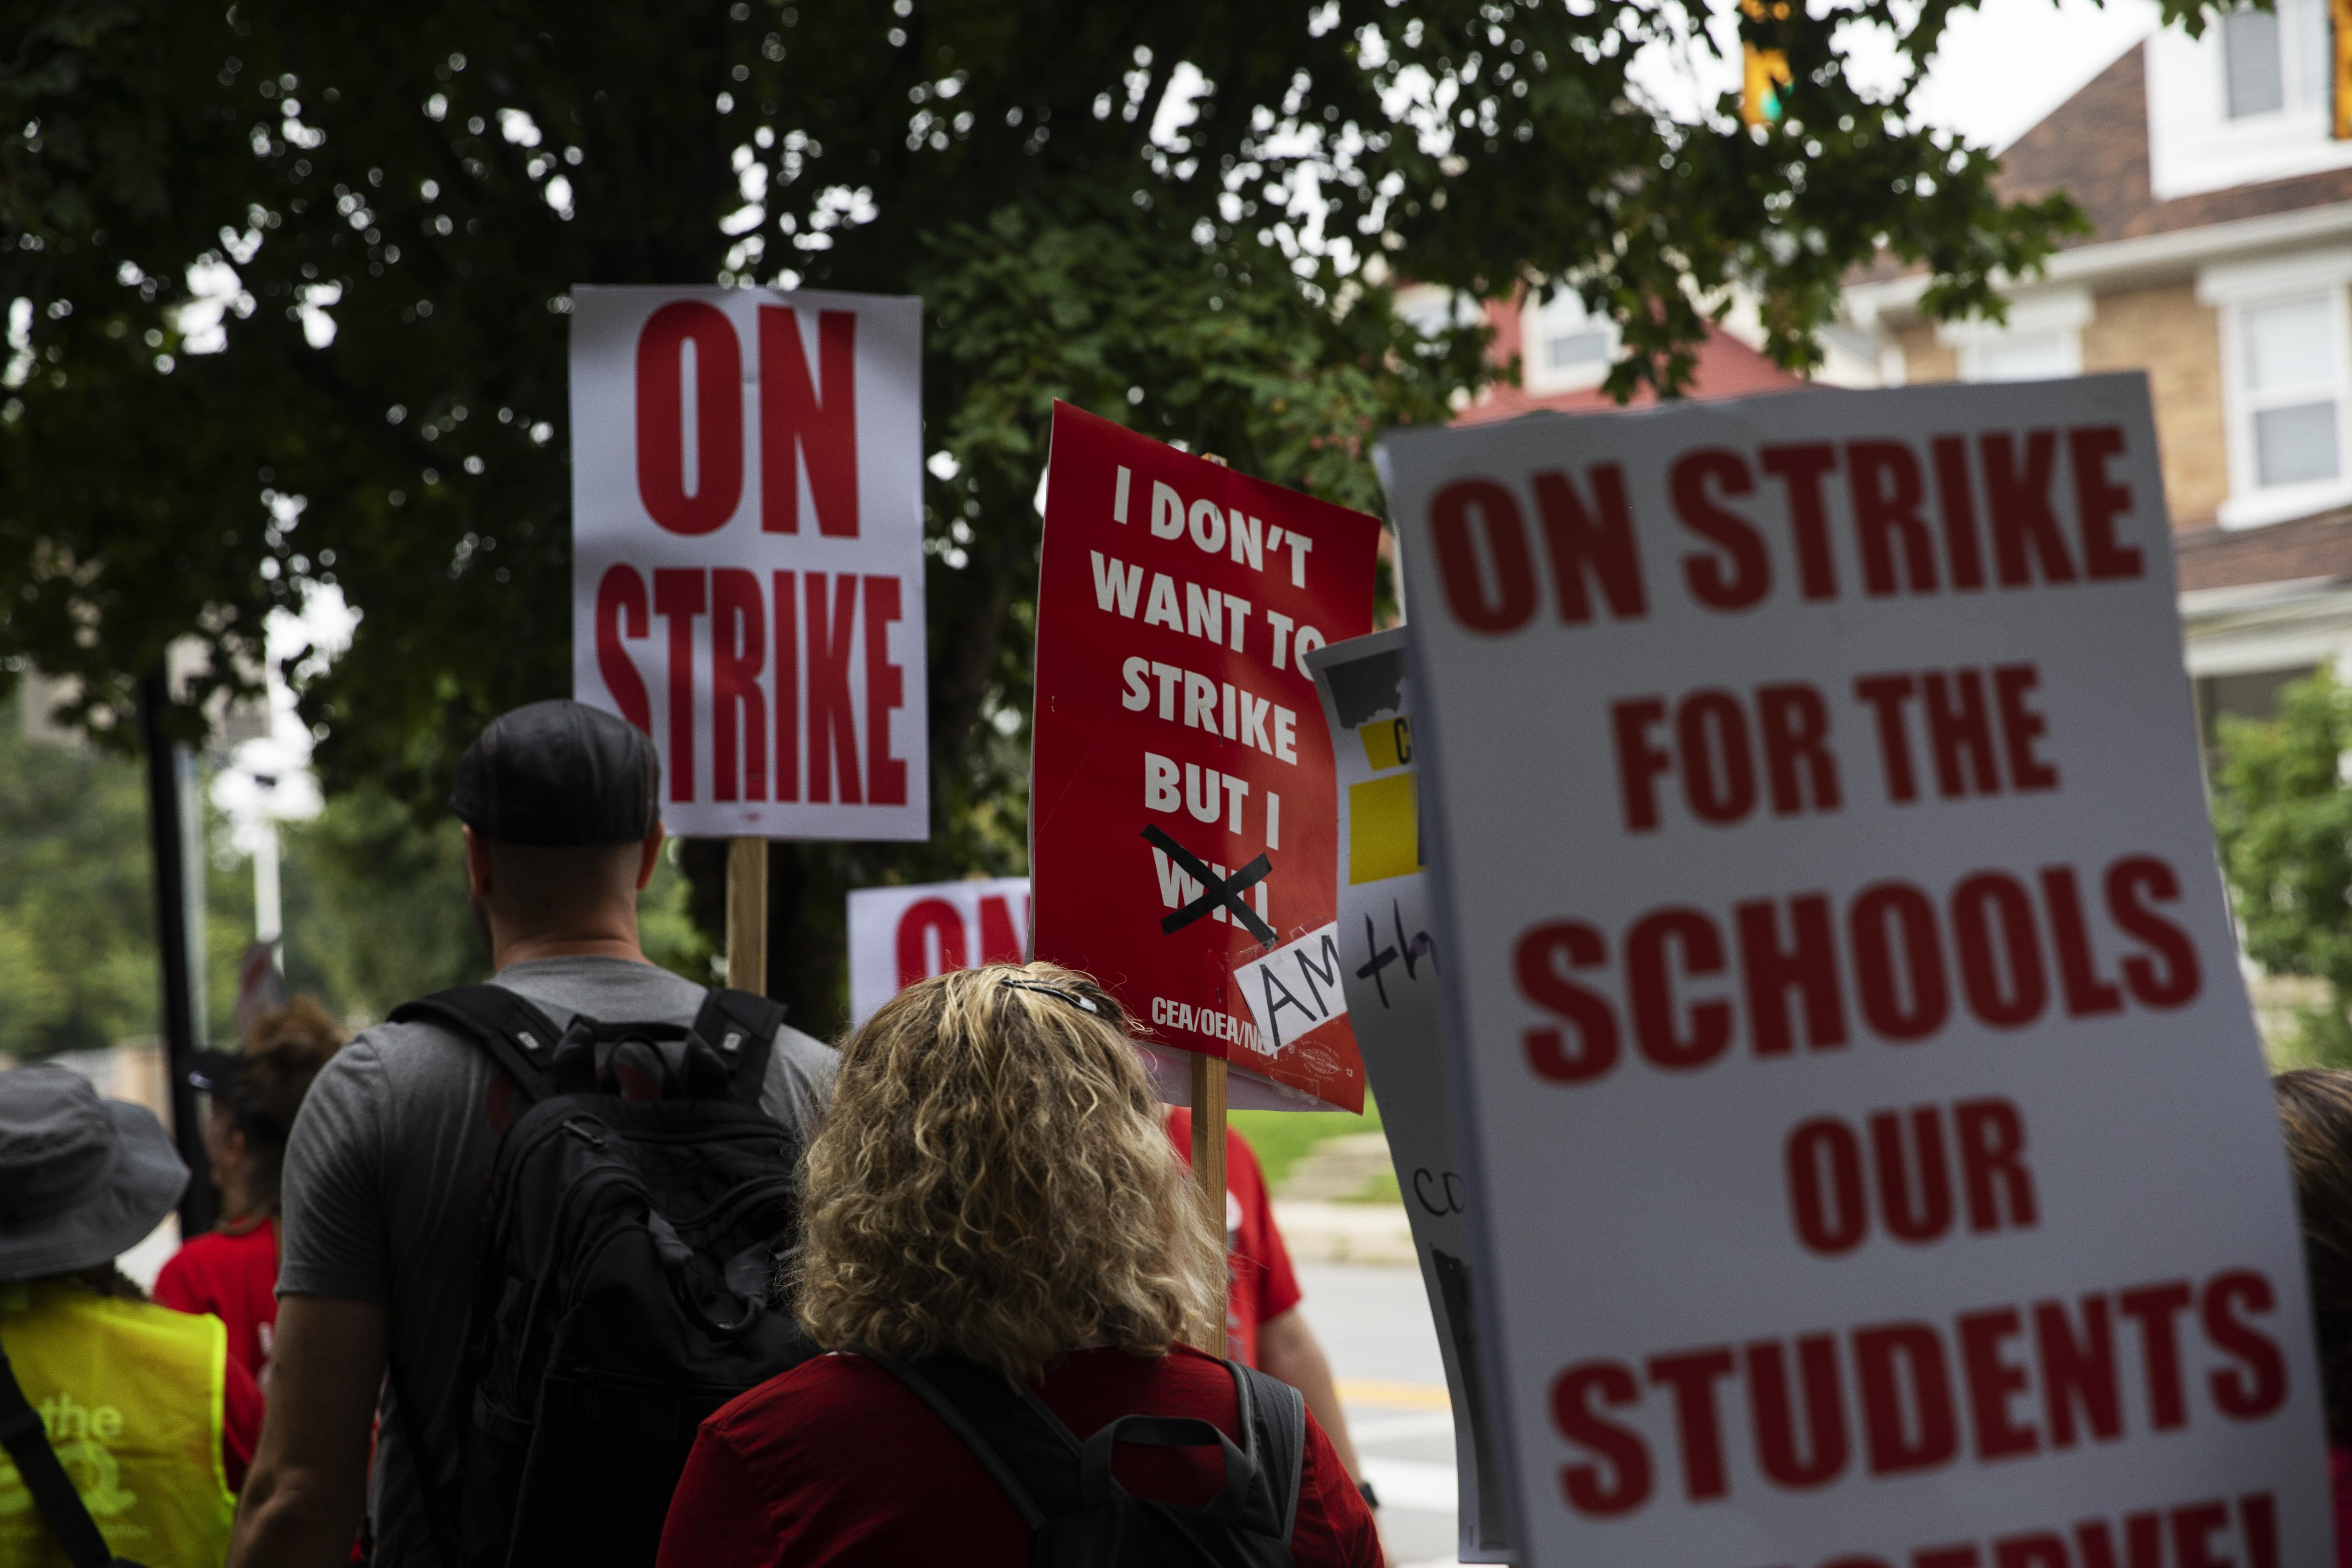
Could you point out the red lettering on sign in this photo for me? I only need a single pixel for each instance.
(1900, 1367)
(1693, 1377)
(2100, 500)
(2021, 727)
(1991, 1136)
(680, 594)
(2087, 996)
(928, 922)
(2256, 1386)
(1504, 532)
(621, 613)
(788, 687)
(2130, 883)
(1639, 762)
(2144, 1542)
(739, 643)
(798, 426)
(831, 718)
(1579, 545)
(1807, 966)
(2023, 523)
(1994, 1382)
(1959, 509)
(1816, 1459)
(717, 418)
(2155, 1309)
(1889, 493)
(1801, 469)
(1796, 726)
(1960, 732)
(2078, 1371)
(1538, 963)
(1887, 917)
(1656, 1027)
(1914, 1189)
(886, 692)
(1742, 574)
(1621, 1482)
(2000, 954)
(1824, 1162)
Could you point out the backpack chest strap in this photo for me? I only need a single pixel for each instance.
(519, 1036)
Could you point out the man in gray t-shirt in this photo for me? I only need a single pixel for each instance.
(390, 1159)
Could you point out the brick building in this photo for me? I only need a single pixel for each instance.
(2219, 262)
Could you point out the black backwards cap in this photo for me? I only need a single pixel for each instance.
(559, 772)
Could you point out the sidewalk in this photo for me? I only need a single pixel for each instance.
(1320, 1232)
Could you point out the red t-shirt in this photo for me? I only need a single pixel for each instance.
(233, 1276)
(1263, 1287)
(837, 1463)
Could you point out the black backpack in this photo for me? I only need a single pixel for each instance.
(1080, 1516)
(636, 1215)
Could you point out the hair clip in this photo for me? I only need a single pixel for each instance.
(1084, 1004)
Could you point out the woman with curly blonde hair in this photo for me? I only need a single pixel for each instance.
(992, 1206)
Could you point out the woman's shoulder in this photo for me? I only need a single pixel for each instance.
(821, 1389)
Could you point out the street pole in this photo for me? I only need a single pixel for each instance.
(168, 836)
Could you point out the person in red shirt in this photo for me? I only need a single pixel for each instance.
(990, 1181)
(1263, 1327)
(231, 1271)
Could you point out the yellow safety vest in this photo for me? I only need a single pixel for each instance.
(131, 1394)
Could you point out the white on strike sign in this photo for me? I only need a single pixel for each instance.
(747, 553)
(1874, 1160)
(900, 935)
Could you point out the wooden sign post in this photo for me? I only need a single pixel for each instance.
(1209, 1180)
(747, 915)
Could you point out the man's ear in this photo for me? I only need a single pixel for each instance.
(649, 857)
(478, 862)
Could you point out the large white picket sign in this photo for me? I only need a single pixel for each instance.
(1872, 1159)
(1389, 962)
(747, 553)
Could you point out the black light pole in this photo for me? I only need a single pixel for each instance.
(200, 1206)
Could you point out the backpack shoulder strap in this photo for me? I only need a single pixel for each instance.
(1280, 1420)
(742, 1027)
(958, 1413)
(519, 1036)
(27, 1443)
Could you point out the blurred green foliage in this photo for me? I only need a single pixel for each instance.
(2284, 816)
(289, 290)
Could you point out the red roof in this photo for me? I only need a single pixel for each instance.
(1727, 368)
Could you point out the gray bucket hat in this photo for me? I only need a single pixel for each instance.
(82, 1180)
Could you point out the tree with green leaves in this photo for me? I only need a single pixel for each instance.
(289, 287)
(2284, 820)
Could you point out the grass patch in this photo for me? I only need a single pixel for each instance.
(1282, 1138)
(1380, 1189)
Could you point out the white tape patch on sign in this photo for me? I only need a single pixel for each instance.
(1870, 1154)
(1293, 989)
(747, 553)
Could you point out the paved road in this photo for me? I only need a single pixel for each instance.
(1374, 1324)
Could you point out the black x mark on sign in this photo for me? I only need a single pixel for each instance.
(1224, 890)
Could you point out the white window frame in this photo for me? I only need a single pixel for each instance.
(2044, 313)
(2193, 145)
(1536, 371)
(2235, 287)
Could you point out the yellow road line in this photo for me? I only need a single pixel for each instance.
(1394, 1395)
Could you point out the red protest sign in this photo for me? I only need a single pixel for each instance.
(1181, 820)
